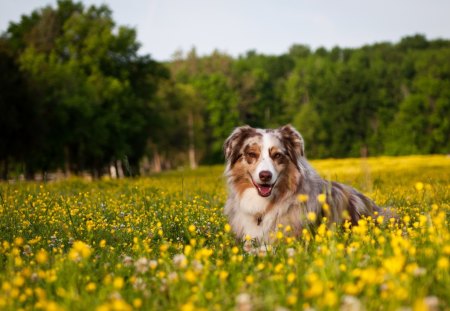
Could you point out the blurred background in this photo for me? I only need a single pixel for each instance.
(127, 88)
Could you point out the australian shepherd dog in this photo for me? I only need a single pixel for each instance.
(270, 183)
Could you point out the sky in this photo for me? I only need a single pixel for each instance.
(267, 26)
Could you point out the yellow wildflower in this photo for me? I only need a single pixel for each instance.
(79, 250)
(419, 186)
(302, 198)
(42, 256)
(118, 282)
(322, 198)
(311, 216)
(443, 263)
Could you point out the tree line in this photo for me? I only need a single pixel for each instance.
(76, 96)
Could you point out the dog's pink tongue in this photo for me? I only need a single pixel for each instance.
(265, 190)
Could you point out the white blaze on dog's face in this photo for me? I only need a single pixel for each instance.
(267, 156)
(259, 158)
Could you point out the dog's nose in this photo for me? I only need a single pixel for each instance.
(265, 176)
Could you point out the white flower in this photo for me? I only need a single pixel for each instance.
(243, 302)
(180, 260)
(153, 264)
(290, 252)
(140, 284)
(142, 265)
(127, 261)
(350, 303)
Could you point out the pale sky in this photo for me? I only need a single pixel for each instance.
(267, 26)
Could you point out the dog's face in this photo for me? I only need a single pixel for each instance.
(262, 158)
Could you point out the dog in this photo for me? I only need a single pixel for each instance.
(270, 182)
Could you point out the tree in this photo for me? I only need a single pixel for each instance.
(17, 112)
(94, 92)
(420, 124)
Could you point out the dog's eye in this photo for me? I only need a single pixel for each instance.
(252, 155)
(277, 155)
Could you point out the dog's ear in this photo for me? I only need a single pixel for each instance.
(293, 142)
(233, 143)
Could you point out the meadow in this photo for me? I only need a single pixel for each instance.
(162, 243)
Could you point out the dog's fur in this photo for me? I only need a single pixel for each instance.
(259, 202)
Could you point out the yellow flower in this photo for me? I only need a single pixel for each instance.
(187, 250)
(443, 263)
(209, 295)
(190, 276)
(279, 235)
(223, 275)
(351, 289)
(249, 279)
(278, 268)
(302, 198)
(291, 300)
(79, 250)
(326, 208)
(322, 198)
(18, 281)
(120, 305)
(90, 287)
(291, 277)
(137, 303)
(52, 306)
(118, 282)
(6, 286)
(227, 228)
(188, 307)
(380, 219)
(311, 216)
(191, 228)
(394, 264)
(42, 256)
(163, 248)
(330, 299)
(314, 290)
(18, 241)
(419, 186)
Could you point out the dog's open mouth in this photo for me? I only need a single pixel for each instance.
(264, 190)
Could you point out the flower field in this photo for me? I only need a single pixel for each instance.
(162, 243)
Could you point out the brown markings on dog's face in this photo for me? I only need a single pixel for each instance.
(244, 151)
(278, 156)
(234, 143)
(252, 153)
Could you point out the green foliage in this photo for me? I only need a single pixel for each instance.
(77, 96)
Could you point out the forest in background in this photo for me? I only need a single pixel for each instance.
(76, 96)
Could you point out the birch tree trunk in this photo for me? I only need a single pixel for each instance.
(192, 162)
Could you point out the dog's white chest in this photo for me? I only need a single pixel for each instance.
(252, 216)
(251, 203)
